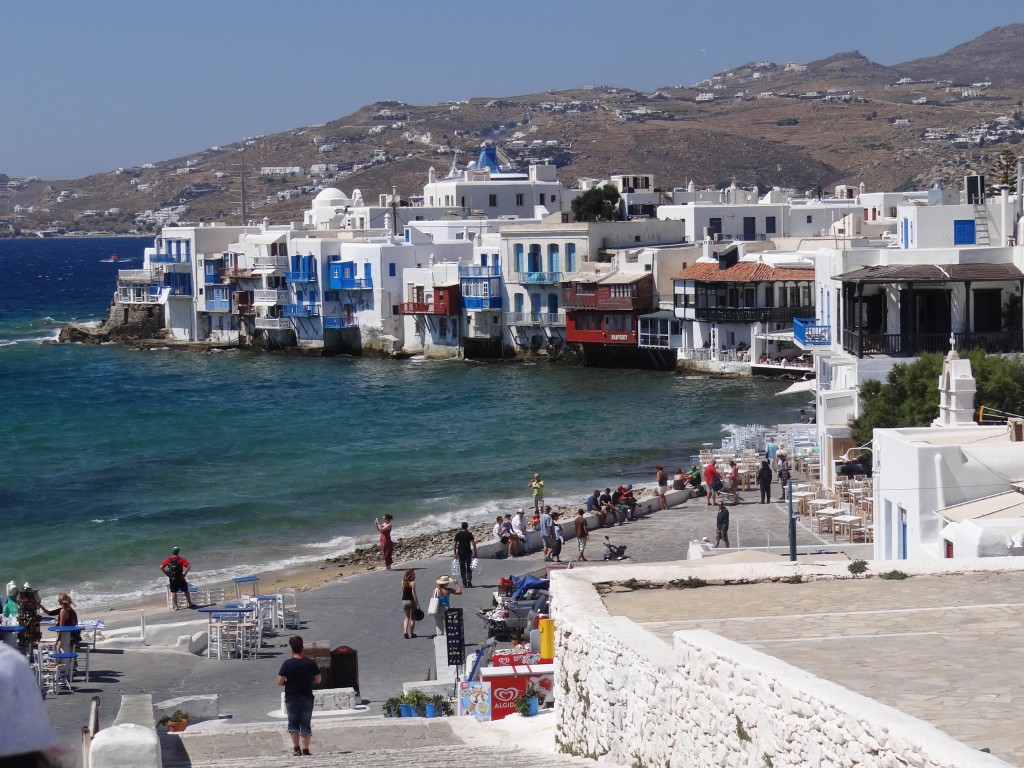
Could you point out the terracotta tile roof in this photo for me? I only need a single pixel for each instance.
(743, 272)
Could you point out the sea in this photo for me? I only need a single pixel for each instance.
(258, 461)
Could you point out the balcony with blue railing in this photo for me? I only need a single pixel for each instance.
(341, 322)
(468, 270)
(809, 332)
(343, 276)
(169, 258)
(301, 310)
(538, 278)
(300, 277)
(218, 305)
(481, 302)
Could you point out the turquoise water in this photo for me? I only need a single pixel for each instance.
(258, 461)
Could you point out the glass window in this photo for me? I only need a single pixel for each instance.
(391, 269)
(493, 201)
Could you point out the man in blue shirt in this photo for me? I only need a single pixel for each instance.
(595, 507)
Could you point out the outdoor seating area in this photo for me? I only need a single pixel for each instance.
(846, 512)
(239, 629)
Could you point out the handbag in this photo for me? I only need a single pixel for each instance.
(717, 485)
(455, 568)
(418, 614)
(434, 606)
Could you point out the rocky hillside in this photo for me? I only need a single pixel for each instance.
(843, 119)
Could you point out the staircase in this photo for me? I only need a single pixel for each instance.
(367, 743)
(981, 234)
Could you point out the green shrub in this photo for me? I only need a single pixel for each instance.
(893, 575)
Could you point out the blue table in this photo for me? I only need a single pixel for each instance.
(238, 581)
(65, 670)
(216, 613)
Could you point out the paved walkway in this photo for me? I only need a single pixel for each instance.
(948, 650)
(364, 612)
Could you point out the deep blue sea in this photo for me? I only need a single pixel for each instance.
(256, 461)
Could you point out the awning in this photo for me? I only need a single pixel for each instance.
(801, 386)
(1009, 505)
(623, 278)
(266, 238)
(661, 314)
(932, 273)
(776, 336)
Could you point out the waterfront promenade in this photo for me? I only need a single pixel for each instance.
(364, 612)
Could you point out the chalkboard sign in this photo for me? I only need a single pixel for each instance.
(456, 637)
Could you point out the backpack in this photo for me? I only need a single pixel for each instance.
(174, 568)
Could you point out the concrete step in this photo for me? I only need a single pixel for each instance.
(366, 742)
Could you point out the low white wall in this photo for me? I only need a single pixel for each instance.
(627, 697)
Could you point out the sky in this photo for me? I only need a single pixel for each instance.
(92, 86)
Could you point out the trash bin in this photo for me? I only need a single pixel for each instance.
(322, 657)
(345, 668)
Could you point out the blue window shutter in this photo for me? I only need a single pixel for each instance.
(366, 272)
(964, 232)
(554, 259)
(391, 269)
(570, 257)
(519, 257)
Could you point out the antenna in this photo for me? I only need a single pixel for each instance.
(243, 201)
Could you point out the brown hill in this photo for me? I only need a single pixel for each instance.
(842, 119)
(996, 56)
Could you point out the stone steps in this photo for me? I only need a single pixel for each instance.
(368, 742)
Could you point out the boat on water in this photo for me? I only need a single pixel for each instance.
(114, 258)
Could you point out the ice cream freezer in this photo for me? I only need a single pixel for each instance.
(508, 683)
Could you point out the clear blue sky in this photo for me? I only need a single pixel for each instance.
(89, 86)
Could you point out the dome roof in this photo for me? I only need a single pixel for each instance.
(329, 197)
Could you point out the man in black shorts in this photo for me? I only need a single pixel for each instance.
(176, 568)
(722, 525)
(298, 675)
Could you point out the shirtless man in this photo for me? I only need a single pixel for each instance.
(582, 532)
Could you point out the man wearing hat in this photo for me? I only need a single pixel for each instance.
(176, 568)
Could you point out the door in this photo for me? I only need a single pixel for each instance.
(749, 227)
(553, 303)
(987, 305)
(715, 225)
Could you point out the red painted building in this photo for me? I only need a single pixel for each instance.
(603, 308)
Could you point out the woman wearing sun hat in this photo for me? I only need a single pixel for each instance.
(446, 587)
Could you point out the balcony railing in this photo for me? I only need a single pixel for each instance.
(270, 262)
(273, 323)
(138, 294)
(906, 345)
(535, 318)
(481, 302)
(808, 332)
(246, 310)
(139, 276)
(473, 271)
(751, 314)
(234, 273)
(300, 310)
(341, 322)
(300, 277)
(593, 301)
(269, 298)
(168, 258)
(218, 305)
(538, 278)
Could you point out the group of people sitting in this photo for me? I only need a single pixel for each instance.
(613, 507)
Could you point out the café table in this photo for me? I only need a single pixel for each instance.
(76, 628)
(240, 580)
(799, 499)
(828, 514)
(213, 612)
(844, 521)
(65, 670)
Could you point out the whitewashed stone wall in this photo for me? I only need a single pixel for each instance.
(627, 697)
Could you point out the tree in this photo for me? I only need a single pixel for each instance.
(910, 395)
(1004, 170)
(597, 204)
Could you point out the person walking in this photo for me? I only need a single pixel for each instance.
(176, 568)
(764, 481)
(556, 549)
(444, 589)
(387, 547)
(298, 675)
(783, 470)
(547, 533)
(582, 531)
(662, 479)
(722, 525)
(410, 604)
(537, 486)
(713, 482)
(734, 481)
(465, 551)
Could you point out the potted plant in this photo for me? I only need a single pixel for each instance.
(175, 722)
(392, 707)
(416, 699)
(441, 706)
(526, 704)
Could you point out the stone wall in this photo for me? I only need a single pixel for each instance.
(627, 697)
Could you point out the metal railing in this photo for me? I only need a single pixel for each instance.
(751, 314)
(906, 345)
(538, 278)
(269, 298)
(127, 295)
(270, 262)
(535, 318)
(228, 273)
(168, 258)
(300, 277)
(593, 301)
(809, 332)
(218, 305)
(139, 275)
(341, 322)
(721, 355)
(273, 323)
(300, 310)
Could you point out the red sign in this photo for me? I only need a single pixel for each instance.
(509, 683)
